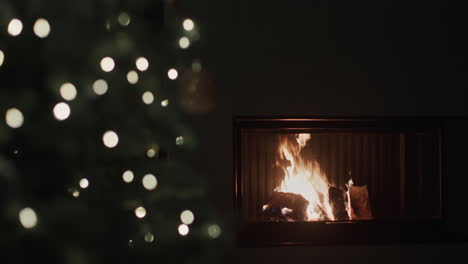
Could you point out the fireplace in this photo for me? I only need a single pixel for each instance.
(338, 180)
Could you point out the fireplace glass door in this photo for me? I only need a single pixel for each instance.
(337, 170)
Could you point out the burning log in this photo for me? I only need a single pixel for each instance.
(286, 207)
(360, 206)
(336, 196)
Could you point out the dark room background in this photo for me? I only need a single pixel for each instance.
(332, 58)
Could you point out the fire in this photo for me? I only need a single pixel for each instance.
(305, 178)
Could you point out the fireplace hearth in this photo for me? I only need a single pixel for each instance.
(338, 180)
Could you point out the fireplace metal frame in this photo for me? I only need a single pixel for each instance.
(254, 234)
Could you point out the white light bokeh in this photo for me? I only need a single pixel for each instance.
(15, 27)
(132, 77)
(150, 153)
(68, 91)
(184, 42)
(41, 28)
(187, 217)
(214, 231)
(100, 87)
(124, 19)
(140, 212)
(2, 57)
(183, 229)
(84, 183)
(28, 218)
(128, 176)
(147, 97)
(188, 24)
(61, 111)
(107, 64)
(110, 139)
(172, 74)
(76, 193)
(150, 182)
(14, 118)
(149, 237)
(164, 103)
(179, 140)
(142, 64)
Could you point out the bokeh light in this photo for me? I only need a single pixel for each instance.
(140, 212)
(151, 153)
(41, 28)
(147, 97)
(180, 140)
(2, 57)
(187, 217)
(149, 182)
(132, 77)
(188, 24)
(142, 64)
(164, 103)
(84, 183)
(14, 118)
(61, 111)
(149, 237)
(15, 27)
(172, 74)
(110, 139)
(68, 91)
(123, 19)
(128, 176)
(196, 66)
(28, 217)
(107, 64)
(214, 231)
(184, 42)
(183, 229)
(100, 87)
(76, 193)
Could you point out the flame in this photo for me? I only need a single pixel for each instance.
(348, 200)
(305, 178)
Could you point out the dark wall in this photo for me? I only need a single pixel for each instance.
(329, 58)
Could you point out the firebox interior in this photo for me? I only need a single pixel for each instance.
(340, 173)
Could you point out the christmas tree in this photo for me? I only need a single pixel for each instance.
(93, 140)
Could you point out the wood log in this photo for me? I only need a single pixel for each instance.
(360, 205)
(336, 196)
(286, 207)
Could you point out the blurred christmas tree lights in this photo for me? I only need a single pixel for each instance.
(93, 170)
